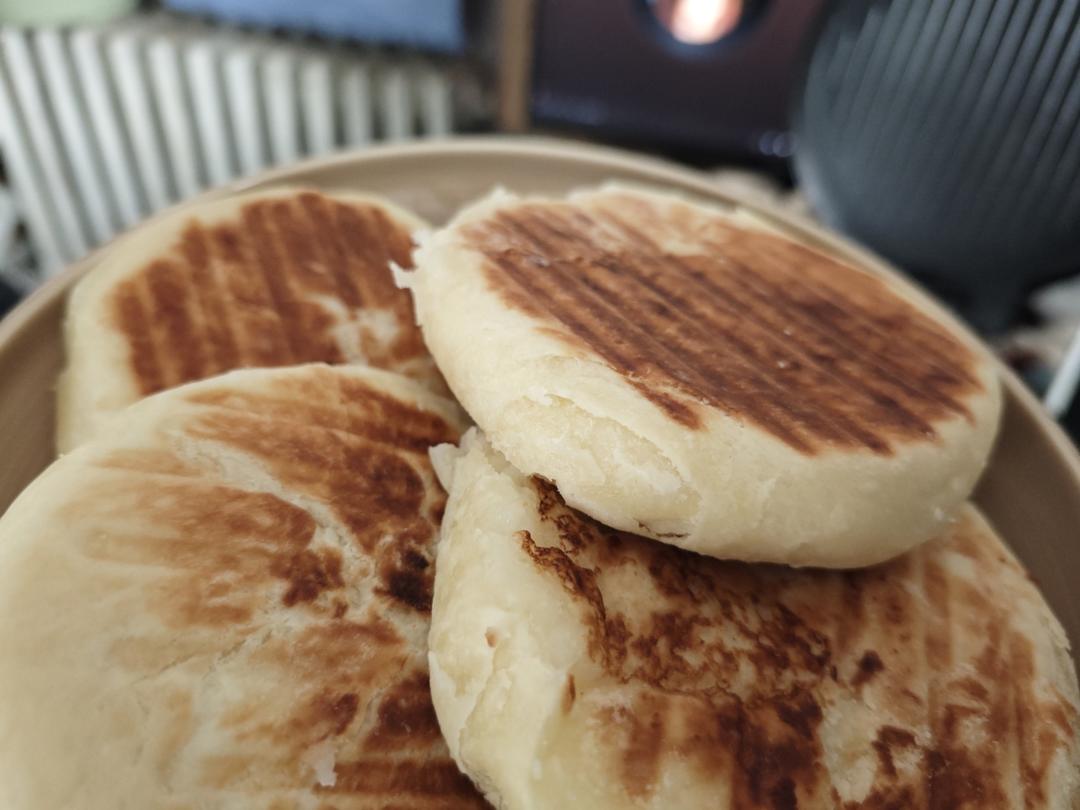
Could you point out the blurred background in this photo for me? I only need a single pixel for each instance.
(942, 134)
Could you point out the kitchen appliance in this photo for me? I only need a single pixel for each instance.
(946, 136)
(707, 76)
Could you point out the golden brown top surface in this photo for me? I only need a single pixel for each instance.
(693, 311)
(756, 674)
(273, 285)
(287, 552)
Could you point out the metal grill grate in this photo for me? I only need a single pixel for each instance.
(946, 134)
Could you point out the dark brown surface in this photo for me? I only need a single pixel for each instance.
(243, 292)
(814, 352)
(733, 668)
(341, 630)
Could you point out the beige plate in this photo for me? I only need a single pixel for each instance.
(1031, 490)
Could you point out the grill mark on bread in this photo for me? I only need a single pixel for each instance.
(859, 327)
(1037, 721)
(767, 356)
(772, 354)
(602, 319)
(169, 366)
(854, 337)
(360, 233)
(353, 457)
(770, 314)
(796, 263)
(921, 375)
(242, 292)
(706, 328)
(675, 408)
(837, 361)
(261, 243)
(304, 278)
(361, 240)
(211, 295)
(317, 211)
(226, 556)
(218, 537)
(373, 491)
(698, 334)
(169, 285)
(774, 293)
(372, 238)
(132, 321)
(679, 652)
(266, 341)
(938, 625)
(370, 414)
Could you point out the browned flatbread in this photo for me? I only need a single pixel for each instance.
(223, 602)
(682, 373)
(268, 279)
(576, 666)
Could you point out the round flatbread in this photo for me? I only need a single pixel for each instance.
(681, 374)
(576, 666)
(268, 278)
(223, 602)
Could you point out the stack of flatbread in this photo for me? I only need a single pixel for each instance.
(609, 501)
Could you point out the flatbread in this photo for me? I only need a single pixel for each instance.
(576, 666)
(681, 373)
(223, 601)
(268, 278)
